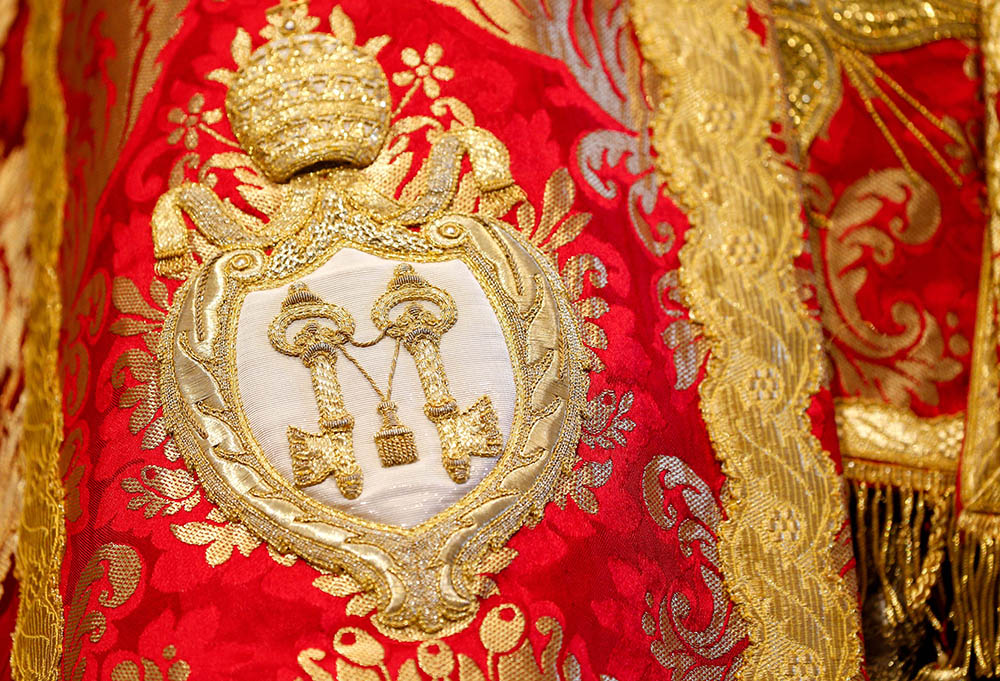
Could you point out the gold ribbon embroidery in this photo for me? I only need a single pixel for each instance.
(785, 502)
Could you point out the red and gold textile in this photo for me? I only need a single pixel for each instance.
(701, 532)
(887, 99)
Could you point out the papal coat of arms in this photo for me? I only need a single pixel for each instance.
(386, 388)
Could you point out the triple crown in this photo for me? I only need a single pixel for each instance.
(307, 98)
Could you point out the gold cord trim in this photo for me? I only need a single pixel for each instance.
(38, 632)
(785, 500)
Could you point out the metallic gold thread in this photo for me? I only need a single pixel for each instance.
(38, 632)
(978, 553)
(711, 130)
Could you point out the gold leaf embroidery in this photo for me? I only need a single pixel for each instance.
(588, 308)
(222, 537)
(605, 423)
(144, 319)
(558, 225)
(162, 489)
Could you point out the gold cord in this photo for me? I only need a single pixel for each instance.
(387, 396)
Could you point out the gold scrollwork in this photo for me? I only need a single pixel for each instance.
(120, 564)
(200, 395)
(879, 364)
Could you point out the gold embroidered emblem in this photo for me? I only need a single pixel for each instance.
(266, 298)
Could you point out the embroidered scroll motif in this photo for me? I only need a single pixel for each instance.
(872, 361)
(317, 170)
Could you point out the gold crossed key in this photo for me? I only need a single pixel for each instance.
(329, 329)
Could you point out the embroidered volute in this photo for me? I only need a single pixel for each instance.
(312, 112)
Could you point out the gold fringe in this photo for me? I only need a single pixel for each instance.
(977, 593)
(902, 541)
(902, 537)
(42, 534)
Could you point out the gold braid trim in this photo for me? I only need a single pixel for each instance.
(785, 502)
(38, 632)
(977, 580)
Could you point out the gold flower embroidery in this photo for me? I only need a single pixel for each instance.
(424, 71)
(191, 121)
(287, 18)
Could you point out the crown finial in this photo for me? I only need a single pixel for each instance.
(306, 98)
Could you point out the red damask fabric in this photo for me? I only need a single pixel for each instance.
(622, 581)
(936, 273)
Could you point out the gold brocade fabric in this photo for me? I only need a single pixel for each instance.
(42, 534)
(772, 538)
(920, 455)
(784, 508)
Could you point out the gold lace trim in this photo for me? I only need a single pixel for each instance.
(785, 504)
(38, 632)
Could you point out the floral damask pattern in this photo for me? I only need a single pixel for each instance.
(877, 216)
(572, 588)
(504, 632)
(687, 639)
